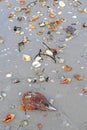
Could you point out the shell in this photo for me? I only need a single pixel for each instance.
(36, 64)
(66, 67)
(61, 4)
(8, 118)
(65, 81)
(78, 77)
(84, 90)
(49, 52)
(26, 57)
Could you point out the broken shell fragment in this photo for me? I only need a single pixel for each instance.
(8, 118)
(1, 40)
(48, 52)
(78, 77)
(11, 15)
(34, 18)
(84, 90)
(66, 68)
(65, 81)
(32, 27)
(17, 9)
(26, 57)
(61, 4)
(60, 61)
(36, 64)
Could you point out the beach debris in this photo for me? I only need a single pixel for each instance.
(22, 44)
(26, 57)
(33, 18)
(84, 90)
(61, 4)
(84, 25)
(71, 30)
(78, 77)
(11, 15)
(24, 123)
(36, 64)
(65, 81)
(8, 118)
(14, 81)
(66, 67)
(2, 95)
(39, 126)
(36, 101)
(8, 75)
(17, 29)
(1, 40)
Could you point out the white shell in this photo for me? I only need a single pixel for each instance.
(8, 75)
(26, 57)
(48, 52)
(38, 58)
(36, 64)
(61, 4)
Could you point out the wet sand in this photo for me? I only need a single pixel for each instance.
(68, 99)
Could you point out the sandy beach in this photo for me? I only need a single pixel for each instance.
(24, 28)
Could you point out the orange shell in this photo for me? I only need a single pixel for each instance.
(78, 77)
(67, 67)
(65, 81)
(8, 118)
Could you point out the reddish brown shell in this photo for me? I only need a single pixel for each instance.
(78, 77)
(8, 118)
(65, 81)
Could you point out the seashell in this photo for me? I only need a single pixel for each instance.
(51, 14)
(42, 79)
(61, 4)
(24, 123)
(1, 40)
(49, 52)
(36, 64)
(17, 9)
(38, 58)
(34, 18)
(26, 57)
(66, 67)
(22, 1)
(60, 61)
(8, 75)
(84, 90)
(32, 27)
(78, 77)
(65, 81)
(11, 15)
(8, 118)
